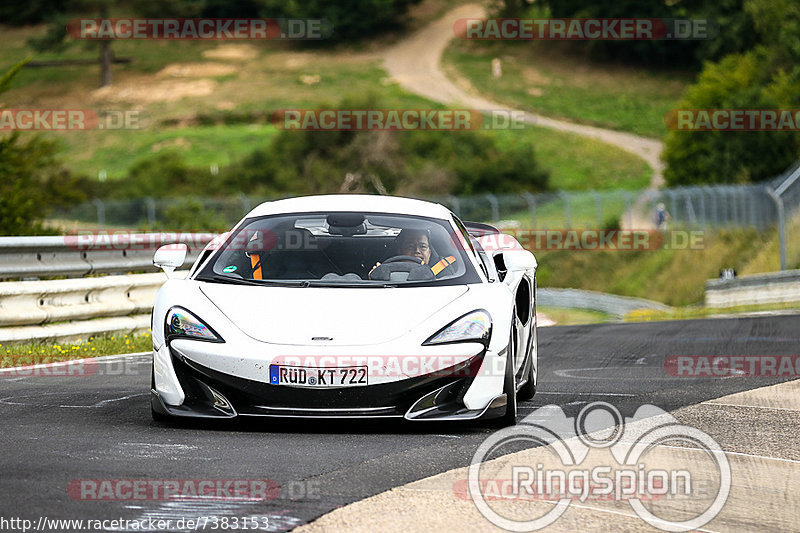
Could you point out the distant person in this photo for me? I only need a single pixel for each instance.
(661, 216)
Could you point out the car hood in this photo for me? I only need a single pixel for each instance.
(336, 316)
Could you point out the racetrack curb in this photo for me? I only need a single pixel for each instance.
(432, 503)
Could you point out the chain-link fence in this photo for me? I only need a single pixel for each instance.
(776, 203)
(720, 206)
(697, 207)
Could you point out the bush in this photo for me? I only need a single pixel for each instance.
(742, 81)
(191, 214)
(33, 183)
(407, 162)
(165, 174)
(729, 15)
(351, 19)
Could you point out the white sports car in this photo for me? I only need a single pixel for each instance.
(347, 306)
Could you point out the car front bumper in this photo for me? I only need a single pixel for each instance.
(210, 393)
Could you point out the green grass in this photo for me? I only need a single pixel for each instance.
(674, 277)
(573, 317)
(50, 352)
(692, 312)
(578, 163)
(201, 146)
(544, 77)
(272, 79)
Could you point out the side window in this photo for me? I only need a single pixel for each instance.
(477, 251)
(487, 264)
(464, 233)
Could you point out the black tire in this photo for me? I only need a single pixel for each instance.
(157, 417)
(528, 390)
(509, 388)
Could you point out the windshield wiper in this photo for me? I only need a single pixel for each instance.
(256, 282)
(292, 283)
(352, 285)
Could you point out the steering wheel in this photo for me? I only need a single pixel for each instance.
(399, 258)
(412, 267)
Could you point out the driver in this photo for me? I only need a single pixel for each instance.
(415, 243)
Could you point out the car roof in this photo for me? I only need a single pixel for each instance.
(366, 203)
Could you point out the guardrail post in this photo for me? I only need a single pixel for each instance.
(702, 195)
(456, 205)
(101, 212)
(531, 200)
(245, 204)
(781, 224)
(151, 212)
(495, 207)
(567, 213)
(629, 210)
(598, 203)
(735, 206)
(673, 206)
(689, 207)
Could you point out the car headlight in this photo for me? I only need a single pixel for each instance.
(475, 326)
(180, 323)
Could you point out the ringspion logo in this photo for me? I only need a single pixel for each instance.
(597, 456)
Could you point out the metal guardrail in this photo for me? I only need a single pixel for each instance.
(611, 304)
(102, 252)
(775, 287)
(73, 308)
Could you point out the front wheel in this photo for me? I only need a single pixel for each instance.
(509, 387)
(528, 390)
(157, 417)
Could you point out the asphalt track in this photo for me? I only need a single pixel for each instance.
(59, 429)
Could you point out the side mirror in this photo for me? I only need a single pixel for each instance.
(169, 257)
(519, 260)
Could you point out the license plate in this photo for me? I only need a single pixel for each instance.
(322, 377)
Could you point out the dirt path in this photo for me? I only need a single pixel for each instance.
(414, 63)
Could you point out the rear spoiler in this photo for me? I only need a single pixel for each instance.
(479, 229)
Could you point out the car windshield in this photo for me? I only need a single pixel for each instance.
(342, 249)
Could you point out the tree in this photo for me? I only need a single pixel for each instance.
(729, 15)
(765, 77)
(32, 181)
